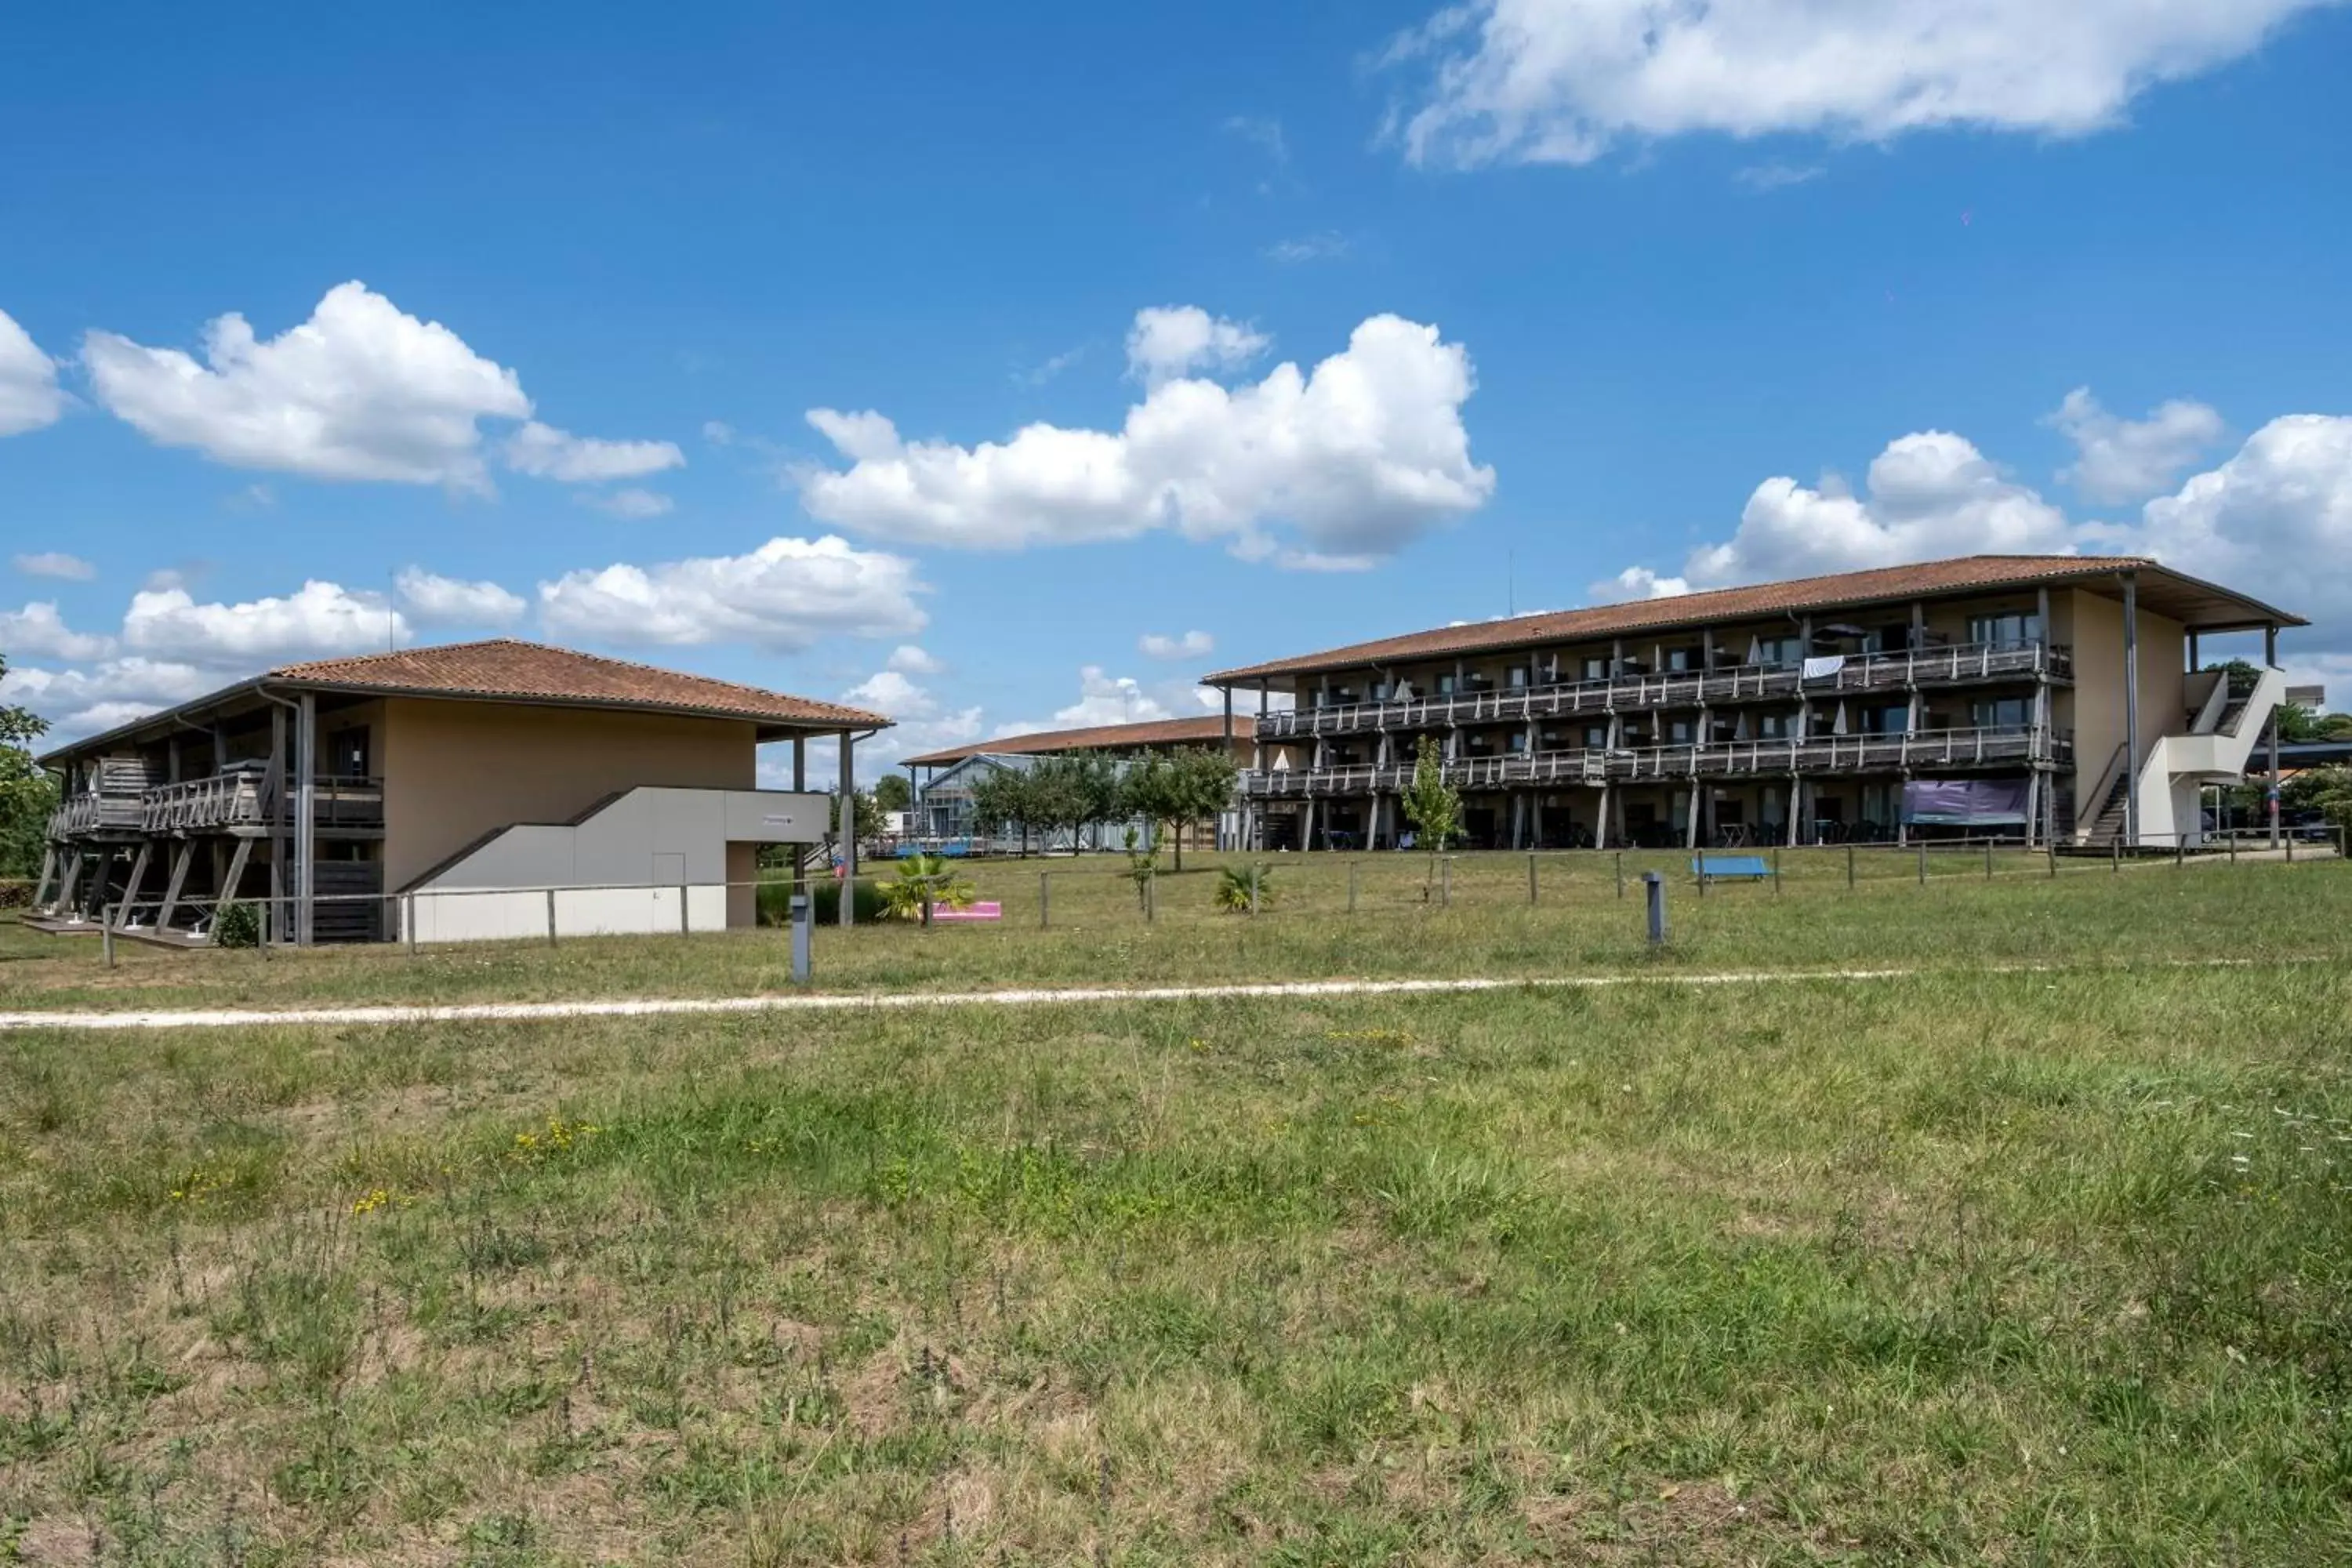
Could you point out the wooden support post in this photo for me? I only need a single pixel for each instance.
(306, 820)
(1923, 865)
(225, 894)
(684, 926)
(1849, 868)
(1253, 889)
(551, 917)
(48, 870)
(1621, 873)
(1988, 859)
(1353, 868)
(1444, 882)
(1531, 879)
(64, 905)
(131, 888)
(274, 912)
(1776, 870)
(408, 921)
(187, 852)
(1044, 900)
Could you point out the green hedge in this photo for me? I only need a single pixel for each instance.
(775, 902)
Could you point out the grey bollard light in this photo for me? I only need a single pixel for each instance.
(803, 921)
(1653, 891)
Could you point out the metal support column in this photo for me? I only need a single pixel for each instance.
(2131, 707)
(847, 808)
(2271, 790)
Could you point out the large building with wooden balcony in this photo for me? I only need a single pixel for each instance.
(469, 790)
(2049, 698)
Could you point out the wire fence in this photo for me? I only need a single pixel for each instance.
(1096, 891)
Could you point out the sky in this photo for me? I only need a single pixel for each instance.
(1003, 370)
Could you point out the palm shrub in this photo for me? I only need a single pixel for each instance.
(775, 902)
(902, 897)
(1233, 894)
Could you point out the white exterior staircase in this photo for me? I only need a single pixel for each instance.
(2221, 742)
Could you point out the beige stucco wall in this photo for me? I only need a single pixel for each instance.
(2093, 624)
(454, 771)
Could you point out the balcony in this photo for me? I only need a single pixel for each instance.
(1958, 665)
(82, 815)
(1815, 756)
(239, 801)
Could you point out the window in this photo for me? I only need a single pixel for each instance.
(1888, 720)
(1519, 740)
(1776, 726)
(1380, 692)
(2002, 712)
(1446, 686)
(1678, 731)
(2009, 630)
(1779, 650)
(1678, 661)
(1596, 669)
(1596, 735)
(1518, 677)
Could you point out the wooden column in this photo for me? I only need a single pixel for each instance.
(306, 817)
(277, 925)
(131, 888)
(187, 852)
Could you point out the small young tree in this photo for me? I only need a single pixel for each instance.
(1431, 806)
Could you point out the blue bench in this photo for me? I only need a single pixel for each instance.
(1730, 869)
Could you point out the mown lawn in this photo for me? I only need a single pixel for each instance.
(1096, 934)
(2051, 1267)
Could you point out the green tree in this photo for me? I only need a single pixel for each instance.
(1431, 806)
(1173, 790)
(2327, 791)
(1006, 796)
(893, 792)
(28, 795)
(1074, 790)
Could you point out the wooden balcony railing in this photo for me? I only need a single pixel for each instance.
(1960, 664)
(241, 799)
(2007, 746)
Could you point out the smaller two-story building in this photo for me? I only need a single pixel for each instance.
(487, 789)
(2049, 698)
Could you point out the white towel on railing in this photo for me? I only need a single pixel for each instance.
(1824, 666)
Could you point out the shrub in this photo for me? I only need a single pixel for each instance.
(14, 893)
(1232, 893)
(237, 925)
(775, 902)
(903, 898)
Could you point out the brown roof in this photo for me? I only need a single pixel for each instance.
(1107, 738)
(534, 672)
(2196, 603)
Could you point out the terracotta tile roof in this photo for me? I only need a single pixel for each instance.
(1107, 738)
(528, 671)
(1846, 589)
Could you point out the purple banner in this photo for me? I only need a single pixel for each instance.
(1964, 803)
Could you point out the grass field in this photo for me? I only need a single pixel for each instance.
(1095, 932)
(1968, 1267)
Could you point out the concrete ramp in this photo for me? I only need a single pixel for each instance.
(647, 860)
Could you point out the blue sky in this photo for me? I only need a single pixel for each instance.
(683, 333)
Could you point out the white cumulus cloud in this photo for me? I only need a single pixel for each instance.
(2274, 521)
(1191, 645)
(321, 620)
(909, 659)
(55, 563)
(1563, 81)
(29, 396)
(1169, 341)
(1357, 458)
(433, 600)
(1103, 698)
(785, 594)
(2129, 459)
(38, 631)
(79, 702)
(360, 391)
(545, 452)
